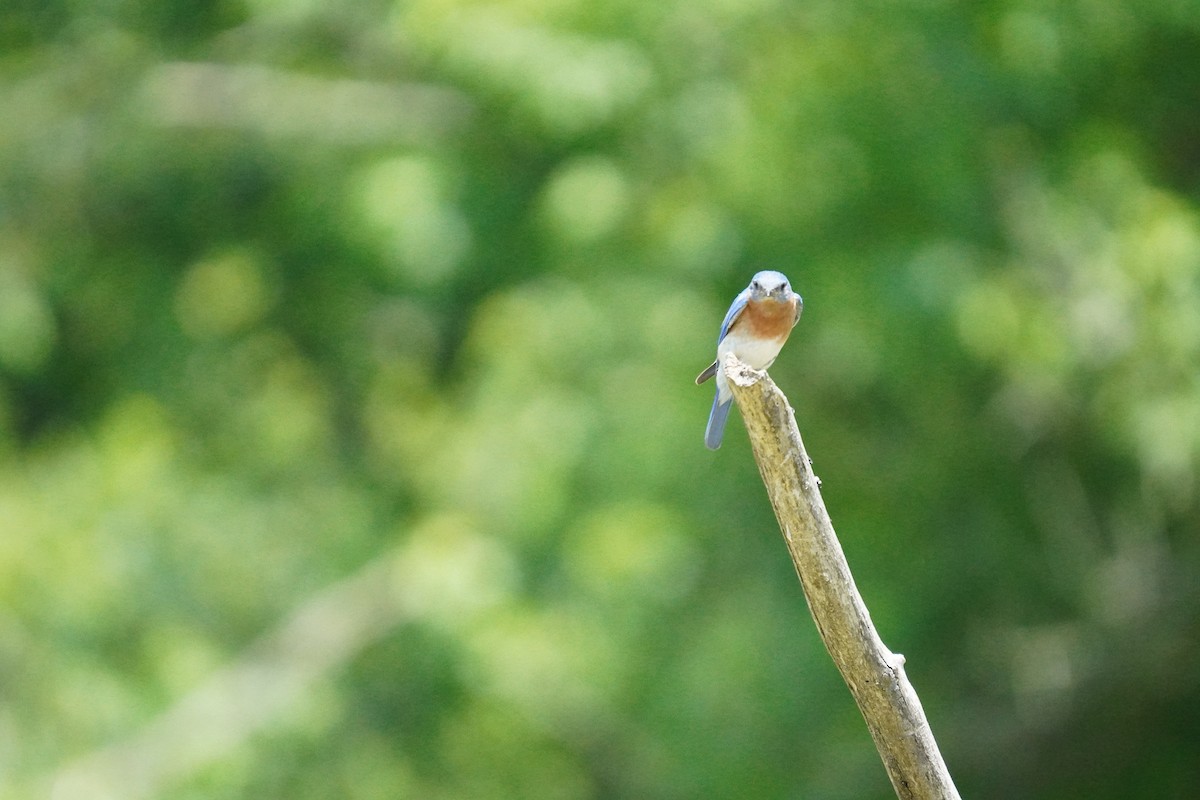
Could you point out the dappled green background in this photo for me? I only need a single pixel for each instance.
(348, 440)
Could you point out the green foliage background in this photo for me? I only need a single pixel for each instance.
(348, 440)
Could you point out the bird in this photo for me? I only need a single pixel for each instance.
(757, 324)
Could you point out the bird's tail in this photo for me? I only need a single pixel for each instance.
(716, 422)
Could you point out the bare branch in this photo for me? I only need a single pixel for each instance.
(874, 674)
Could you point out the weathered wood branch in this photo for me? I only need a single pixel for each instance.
(874, 674)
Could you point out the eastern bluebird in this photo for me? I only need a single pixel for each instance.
(754, 330)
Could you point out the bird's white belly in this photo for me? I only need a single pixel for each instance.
(758, 353)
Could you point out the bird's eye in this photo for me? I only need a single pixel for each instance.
(755, 285)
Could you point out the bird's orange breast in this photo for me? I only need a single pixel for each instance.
(768, 319)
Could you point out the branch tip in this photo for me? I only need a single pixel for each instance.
(740, 372)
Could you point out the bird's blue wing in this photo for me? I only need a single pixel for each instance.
(735, 310)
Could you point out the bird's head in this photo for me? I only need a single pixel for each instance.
(770, 284)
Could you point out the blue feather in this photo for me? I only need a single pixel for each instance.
(735, 310)
(716, 422)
